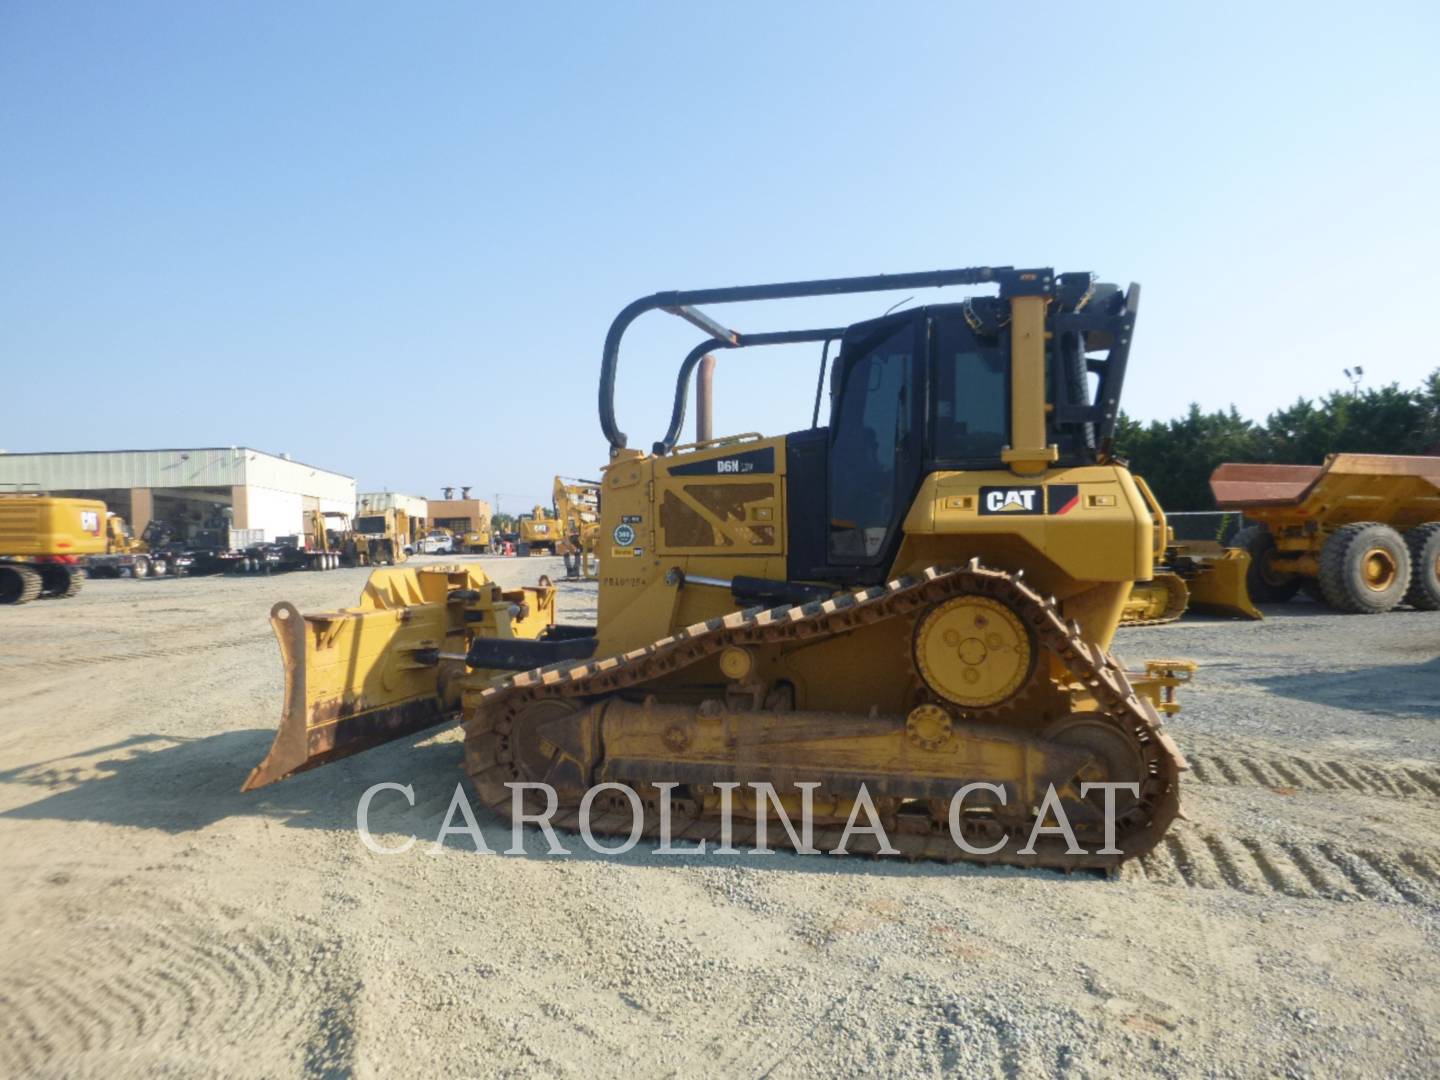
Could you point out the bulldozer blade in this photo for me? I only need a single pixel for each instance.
(363, 676)
(1217, 586)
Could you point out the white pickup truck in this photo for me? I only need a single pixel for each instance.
(436, 543)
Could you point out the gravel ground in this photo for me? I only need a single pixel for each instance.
(157, 921)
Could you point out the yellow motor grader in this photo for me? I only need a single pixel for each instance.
(915, 597)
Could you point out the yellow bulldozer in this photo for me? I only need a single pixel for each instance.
(577, 506)
(913, 599)
(42, 540)
(1360, 533)
(1191, 575)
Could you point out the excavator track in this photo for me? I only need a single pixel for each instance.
(499, 739)
(20, 584)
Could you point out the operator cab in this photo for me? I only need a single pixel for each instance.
(918, 392)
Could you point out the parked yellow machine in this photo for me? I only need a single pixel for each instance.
(1360, 532)
(326, 534)
(42, 539)
(917, 597)
(1196, 575)
(540, 532)
(577, 506)
(381, 538)
(125, 553)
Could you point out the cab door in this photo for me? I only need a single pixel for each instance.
(875, 441)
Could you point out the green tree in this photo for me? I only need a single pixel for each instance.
(1177, 456)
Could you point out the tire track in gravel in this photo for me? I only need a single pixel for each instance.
(1323, 870)
(1295, 772)
(173, 978)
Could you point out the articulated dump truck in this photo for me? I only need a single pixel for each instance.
(917, 596)
(1360, 533)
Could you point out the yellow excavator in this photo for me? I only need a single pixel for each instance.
(577, 505)
(43, 539)
(917, 596)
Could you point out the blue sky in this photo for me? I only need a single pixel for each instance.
(388, 239)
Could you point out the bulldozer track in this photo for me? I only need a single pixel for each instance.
(1177, 600)
(1287, 773)
(491, 722)
(1161, 621)
(1313, 870)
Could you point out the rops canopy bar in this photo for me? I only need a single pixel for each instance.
(683, 304)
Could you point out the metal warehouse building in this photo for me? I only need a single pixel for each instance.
(190, 489)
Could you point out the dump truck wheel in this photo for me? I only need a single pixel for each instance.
(1266, 586)
(1424, 544)
(1364, 568)
(140, 568)
(18, 584)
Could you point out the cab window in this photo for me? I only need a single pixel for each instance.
(871, 429)
(970, 396)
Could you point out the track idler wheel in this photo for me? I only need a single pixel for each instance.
(538, 743)
(1116, 757)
